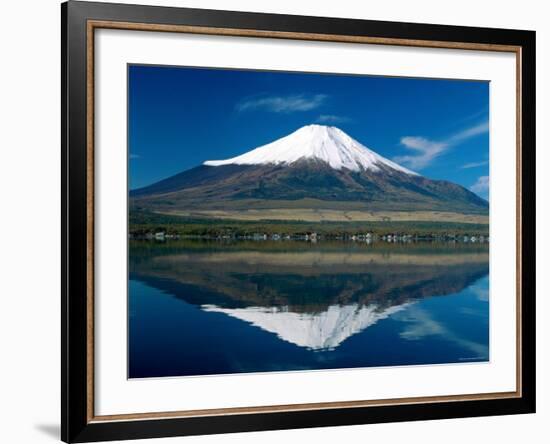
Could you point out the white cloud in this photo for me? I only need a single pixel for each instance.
(426, 150)
(134, 156)
(420, 324)
(468, 133)
(283, 104)
(481, 293)
(481, 186)
(483, 112)
(331, 118)
(475, 164)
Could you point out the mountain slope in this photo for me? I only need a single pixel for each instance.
(314, 331)
(314, 297)
(329, 145)
(315, 167)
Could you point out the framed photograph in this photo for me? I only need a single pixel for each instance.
(276, 221)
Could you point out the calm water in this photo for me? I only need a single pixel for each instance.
(199, 307)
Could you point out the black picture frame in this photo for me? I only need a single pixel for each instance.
(76, 327)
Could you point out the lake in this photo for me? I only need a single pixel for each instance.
(200, 307)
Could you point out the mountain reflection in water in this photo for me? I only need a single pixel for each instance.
(334, 305)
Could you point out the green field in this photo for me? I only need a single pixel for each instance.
(331, 215)
(142, 223)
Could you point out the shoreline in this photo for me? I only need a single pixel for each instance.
(161, 236)
(147, 225)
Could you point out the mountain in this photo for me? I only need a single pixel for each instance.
(313, 298)
(314, 168)
(328, 145)
(314, 331)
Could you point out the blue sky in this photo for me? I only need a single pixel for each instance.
(179, 117)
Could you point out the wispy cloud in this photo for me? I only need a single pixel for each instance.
(422, 325)
(134, 156)
(482, 293)
(477, 115)
(426, 150)
(475, 164)
(468, 133)
(332, 118)
(283, 104)
(481, 186)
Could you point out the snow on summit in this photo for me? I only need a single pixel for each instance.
(325, 143)
(314, 331)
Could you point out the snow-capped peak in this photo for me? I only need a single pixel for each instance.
(315, 331)
(317, 142)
